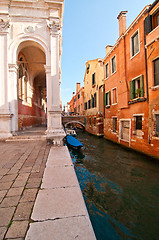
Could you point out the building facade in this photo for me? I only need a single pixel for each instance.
(152, 56)
(76, 104)
(94, 96)
(30, 67)
(131, 101)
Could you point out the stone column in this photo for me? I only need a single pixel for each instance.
(5, 116)
(13, 97)
(55, 131)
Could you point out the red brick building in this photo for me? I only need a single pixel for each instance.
(126, 87)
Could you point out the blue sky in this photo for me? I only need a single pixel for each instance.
(88, 26)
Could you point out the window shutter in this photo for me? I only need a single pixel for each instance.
(132, 90)
(85, 121)
(109, 98)
(142, 85)
(105, 103)
(148, 24)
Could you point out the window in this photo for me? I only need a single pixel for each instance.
(89, 104)
(114, 96)
(95, 100)
(107, 99)
(156, 72)
(113, 64)
(155, 20)
(135, 44)
(114, 124)
(93, 79)
(107, 70)
(22, 81)
(78, 96)
(85, 105)
(92, 101)
(137, 88)
(157, 125)
(138, 122)
(94, 120)
(137, 129)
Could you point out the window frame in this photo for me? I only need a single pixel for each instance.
(131, 44)
(114, 57)
(109, 99)
(107, 64)
(114, 118)
(154, 72)
(114, 103)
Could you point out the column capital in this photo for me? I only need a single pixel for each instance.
(54, 26)
(47, 69)
(4, 25)
(13, 67)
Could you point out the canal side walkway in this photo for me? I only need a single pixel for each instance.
(40, 197)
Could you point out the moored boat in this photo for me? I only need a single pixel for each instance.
(73, 142)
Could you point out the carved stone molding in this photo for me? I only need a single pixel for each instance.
(54, 26)
(4, 25)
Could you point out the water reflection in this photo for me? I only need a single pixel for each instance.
(121, 189)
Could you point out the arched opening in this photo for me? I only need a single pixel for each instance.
(31, 85)
(74, 124)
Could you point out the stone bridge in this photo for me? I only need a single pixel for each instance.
(73, 119)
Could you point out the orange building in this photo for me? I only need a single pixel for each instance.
(126, 87)
(152, 56)
(76, 105)
(93, 96)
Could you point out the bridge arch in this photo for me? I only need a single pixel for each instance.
(65, 125)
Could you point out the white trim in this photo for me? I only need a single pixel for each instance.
(132, 56)
(113, 97)
(108, 99)
(108, 70)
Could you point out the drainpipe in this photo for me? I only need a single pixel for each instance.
(146, 71)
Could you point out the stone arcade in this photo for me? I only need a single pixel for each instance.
(30, 66)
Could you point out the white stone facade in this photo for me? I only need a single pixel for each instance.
(33, 28)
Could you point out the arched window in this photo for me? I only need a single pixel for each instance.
(22, 80)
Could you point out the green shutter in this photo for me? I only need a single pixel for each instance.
(109, 98)
(132, 89)
(85, 121)
(105, 99)
(142, 85)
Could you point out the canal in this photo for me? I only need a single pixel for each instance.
(120, 188)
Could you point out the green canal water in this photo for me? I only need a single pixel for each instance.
(120, 188)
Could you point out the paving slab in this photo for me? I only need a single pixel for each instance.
(55, 177)
(59, 157)
(62, 229)
(59, 203)
(2, 232)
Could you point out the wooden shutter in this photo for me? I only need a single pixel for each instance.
(109, 98)
(132, 89)
(148, 24)
(142, 85)
(105, 101)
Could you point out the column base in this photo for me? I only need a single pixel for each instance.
(55, 136)
(5, 123)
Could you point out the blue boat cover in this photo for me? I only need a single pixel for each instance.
(73, 141)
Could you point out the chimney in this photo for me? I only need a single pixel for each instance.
(122, 22)
(108, 48)
(78, 87)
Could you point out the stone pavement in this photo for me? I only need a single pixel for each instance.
(21, 169)
(59, 212)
